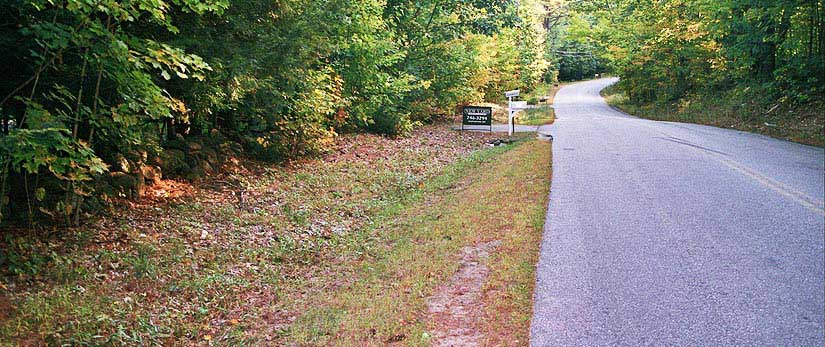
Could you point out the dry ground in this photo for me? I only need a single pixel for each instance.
(313, 253)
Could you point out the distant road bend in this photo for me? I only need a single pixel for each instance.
(672, 234)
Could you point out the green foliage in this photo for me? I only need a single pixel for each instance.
(667, 50)
(86, 71)
(537, 116)
(570, 49)
(52, 150)
(94, 81)
(21, 257)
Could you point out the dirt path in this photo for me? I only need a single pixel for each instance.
(456, 306)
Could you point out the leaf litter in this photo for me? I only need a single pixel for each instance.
(225, 259)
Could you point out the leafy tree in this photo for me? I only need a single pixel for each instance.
(79, 71)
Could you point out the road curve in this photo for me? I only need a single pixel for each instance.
(673, 234)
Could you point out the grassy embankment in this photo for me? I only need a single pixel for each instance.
(803, 124)
(338, 250)
(544, 113)
(499, 195)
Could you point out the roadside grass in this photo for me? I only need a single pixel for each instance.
(498, 194)
(541, 115)
(543, 90)
(191, 265)
(508, 294)
(803, 124)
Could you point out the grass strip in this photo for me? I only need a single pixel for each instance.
(497, 194)
(541, 115)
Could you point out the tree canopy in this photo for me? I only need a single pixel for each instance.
(667, 50)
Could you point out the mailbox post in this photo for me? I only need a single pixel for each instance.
(510, 123)
(512, 108)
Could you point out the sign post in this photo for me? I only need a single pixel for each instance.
(477, 115)
(511, 126)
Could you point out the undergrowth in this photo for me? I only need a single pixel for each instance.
(745, 109)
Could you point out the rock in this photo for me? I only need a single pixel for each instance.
(194, 147)
(196, 171)
(125, 184)
(235, 147)
(121, 163)
(152, 174)
(176, 142)
(230, 149)
(104, 186)
(207, 167)
(140, 186)
(211, 156)
(173, 162)
(139, 157)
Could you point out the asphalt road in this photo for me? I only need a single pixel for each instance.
(672, 234)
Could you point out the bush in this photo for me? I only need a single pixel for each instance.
(392, 124)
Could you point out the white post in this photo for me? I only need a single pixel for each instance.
(510, 123)
(510, 116)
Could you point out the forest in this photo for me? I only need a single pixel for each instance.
(753, 65)
(101, 97)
